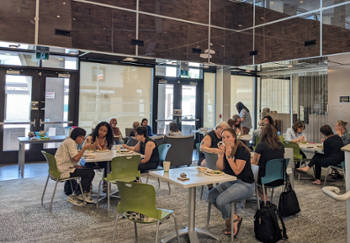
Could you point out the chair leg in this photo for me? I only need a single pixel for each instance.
(325, 179)
(272, 194)
(53, 195)
(108, 193)
(263, 187)
(42, 197)
(157, 230)
(115, 227)
(176, 229)
(257, 196)
(135, 228)
(98, 193)
(71, 186)
(169, 188)
(208, 215)
(299, 173)
(81, 190)
(158, 183)
(147, 178)
(202, 192)
(233, 209)
(243, 203)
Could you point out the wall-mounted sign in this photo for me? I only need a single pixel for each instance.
(177, 112)
(35, 105)
(344, 98)
(49, 95)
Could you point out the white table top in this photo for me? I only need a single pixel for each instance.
(246, 137)
(196, 178)
(311, 147)
(53, 139)
(108, 156)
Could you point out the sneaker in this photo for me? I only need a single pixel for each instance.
(87, 198)
(73, 200)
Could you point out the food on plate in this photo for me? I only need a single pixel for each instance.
(304, 142)
(101, 150)
(217, 172)
(201, 169)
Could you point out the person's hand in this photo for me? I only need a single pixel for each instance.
(88, 146)
(322, 140)
(222, 149)
(228, 150)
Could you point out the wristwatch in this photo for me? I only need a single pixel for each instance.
(229, 157)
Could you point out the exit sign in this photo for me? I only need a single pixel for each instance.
(42, 55)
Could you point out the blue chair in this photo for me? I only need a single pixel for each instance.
(198, 146)
(163, 151)
(276, 169)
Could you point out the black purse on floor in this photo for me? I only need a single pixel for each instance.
(288, 204)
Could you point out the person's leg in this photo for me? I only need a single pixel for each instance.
(216, 191)
(86, 175)
(313, 161)
(322, 162)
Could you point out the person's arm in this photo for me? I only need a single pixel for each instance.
(238, 130)
(220, 165)
(148, 152)
(136, 148)
(237, 164)
(205, 145)
(289, 137)
(242, 115)
(86, 146)
(256, 158)
(149, 129)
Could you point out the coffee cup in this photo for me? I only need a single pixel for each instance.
(166, 166)
(118, 148)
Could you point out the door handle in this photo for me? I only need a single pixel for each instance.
(54, 122)
(19, 123)
(331, 190)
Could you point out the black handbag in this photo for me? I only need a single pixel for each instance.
(288, 204)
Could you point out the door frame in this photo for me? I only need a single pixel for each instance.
(38, 90)
(178, 82)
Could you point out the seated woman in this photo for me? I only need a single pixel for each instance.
(269, 120)
(144, 123)
(270, 147)
(67, 158)
(135, 125)
(102, 138)
(332, 154)
(234, 159)
(295, 134)
(236, 126)
(173, 130)
(148, 147)
(116, 131)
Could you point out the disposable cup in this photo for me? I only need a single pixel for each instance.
(166, 166)
(118, 148)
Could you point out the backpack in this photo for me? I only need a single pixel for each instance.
(266, 225)
(67, 189)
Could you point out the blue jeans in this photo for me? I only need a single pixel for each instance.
(224, 194)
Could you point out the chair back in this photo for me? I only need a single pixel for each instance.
(343, 165)
(124, 168)
(181, 150)
(52, 165)
(255, 170)
(158, 140)
(139, 198)
(198, 146)
(128, 131)
(210, 160)
(296, 149)
(274, 170)
(257, 141)
(281, 138)
(163, 151)
(132, 142)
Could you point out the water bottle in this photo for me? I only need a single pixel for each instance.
(82, 161)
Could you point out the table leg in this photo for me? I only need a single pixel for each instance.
(21, 158)
(191, 231)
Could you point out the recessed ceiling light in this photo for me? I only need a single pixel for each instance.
(248, 71)
(272, 2)
(58, 16)
(301, 1)
(174, 63)
(239, 25)
(73, 52)
(290, 66)
(205, 66)
(130, 59)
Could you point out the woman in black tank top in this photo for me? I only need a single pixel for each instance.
(147, 147)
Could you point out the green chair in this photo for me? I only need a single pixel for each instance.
(340, 167)
(281, 138)
(276, 169)
(163, 151)
(55, 175)
(257, 141)
(297, 156)
(122, 169)
(141, 198)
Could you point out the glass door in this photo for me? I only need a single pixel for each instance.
(178, 100)
(33, 101)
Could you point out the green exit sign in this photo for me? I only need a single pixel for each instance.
(42, 55)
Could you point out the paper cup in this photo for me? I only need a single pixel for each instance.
(118, 148)
(166, 166)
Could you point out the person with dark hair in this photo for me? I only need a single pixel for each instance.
(295, 134)
(102, 138)
(246, 120)
(237, 124)
(173, 130)
(67, 158)
(270, 147)
(116, 131)
(332, 154)
(148, 147)
(144, 123)
(234, 159)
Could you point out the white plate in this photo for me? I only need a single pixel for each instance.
(124, 150)
(211, 174)
(102, 151)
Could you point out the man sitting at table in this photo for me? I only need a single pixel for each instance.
(146, 146)
(67, 158)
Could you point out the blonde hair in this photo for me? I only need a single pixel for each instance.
(136, 124)
(221, 124)
(342, 123)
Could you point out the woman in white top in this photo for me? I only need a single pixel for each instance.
(173, 130)
(246, 120)
(67, 158)
(295, 134)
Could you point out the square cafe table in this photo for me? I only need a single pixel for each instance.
(196, 179)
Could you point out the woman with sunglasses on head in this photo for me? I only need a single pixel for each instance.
(234, 159)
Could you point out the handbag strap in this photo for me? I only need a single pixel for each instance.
(285, 236)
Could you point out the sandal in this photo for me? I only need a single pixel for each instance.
(315, 183)
(301, 171)
(228, 228)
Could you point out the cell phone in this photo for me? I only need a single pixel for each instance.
(221, 143)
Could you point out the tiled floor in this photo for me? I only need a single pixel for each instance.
(36, 169)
